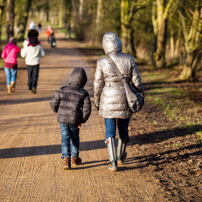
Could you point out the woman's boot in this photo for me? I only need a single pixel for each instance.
(122, 150)
(9, 88)
(12, 86)
(111, 146)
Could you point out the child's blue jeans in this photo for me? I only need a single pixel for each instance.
(10, 75)
(70, 140)
(122, 124)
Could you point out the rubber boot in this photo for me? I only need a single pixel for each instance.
(12, 86)
(122, 150)
(9, 88)
(111, 146)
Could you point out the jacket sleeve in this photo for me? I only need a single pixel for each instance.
(55, 102)
(136, 79)
(98, 84)
(86, 108)
(42, 51)
(18, 49)
(3, 54)
(23, 52)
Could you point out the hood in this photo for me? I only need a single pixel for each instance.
(10, 45)
(111, 43)
(32, 25)
(78, 77)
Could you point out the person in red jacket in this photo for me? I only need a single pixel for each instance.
(49, 32)
(9, 55)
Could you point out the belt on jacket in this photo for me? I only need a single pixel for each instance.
(113, 84)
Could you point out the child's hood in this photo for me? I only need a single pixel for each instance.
(78, 77)
(10, 45)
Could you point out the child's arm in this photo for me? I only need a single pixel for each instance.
(23, 52)
(55, 102)
(4, 55)
(86, 108)
(42, 51)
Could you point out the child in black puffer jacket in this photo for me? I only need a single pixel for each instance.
(73, 105)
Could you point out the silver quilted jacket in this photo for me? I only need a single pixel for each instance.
(109, 93)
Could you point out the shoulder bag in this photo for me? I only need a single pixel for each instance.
(134, 96)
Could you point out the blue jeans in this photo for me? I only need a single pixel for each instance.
(70, 140)
(10, 75)
(122, 124)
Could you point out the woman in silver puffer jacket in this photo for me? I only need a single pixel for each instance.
(110, 97)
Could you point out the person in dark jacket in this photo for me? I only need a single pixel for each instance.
(73, 107)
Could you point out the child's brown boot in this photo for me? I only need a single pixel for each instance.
(75, 161)
(12, 86)
(67, 165)
(9, 88)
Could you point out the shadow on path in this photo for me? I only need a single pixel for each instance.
(47, 149)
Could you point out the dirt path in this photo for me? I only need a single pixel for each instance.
(31, 168)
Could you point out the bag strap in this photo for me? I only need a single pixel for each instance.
(122, 78)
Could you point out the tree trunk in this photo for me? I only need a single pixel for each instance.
(161, 39)
(162, 15)
(78, 20)
(2, 5)
(10, 16)
(47, 11)
(98, 20)
(126, 29)
(193, 41)
(23, 16)
(68, 9)
(61, 14)
(172, 44)
(187, 72)
(155, 28)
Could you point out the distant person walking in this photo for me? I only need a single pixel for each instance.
(110, 97)
(9, 55)
(73, 106)
(51, 36)
(32, 51)
(39, 27)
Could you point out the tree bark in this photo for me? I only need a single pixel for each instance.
(161, 39)
(98, 19)
(126, 28)
(23, 16)
(2, 5)
(10, 16)
(61, 14)
(172, 44)
(162, 14)
(193, 40)
(155, 29)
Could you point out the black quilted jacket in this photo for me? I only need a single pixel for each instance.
(72, 102)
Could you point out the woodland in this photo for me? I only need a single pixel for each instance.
(166, 31)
